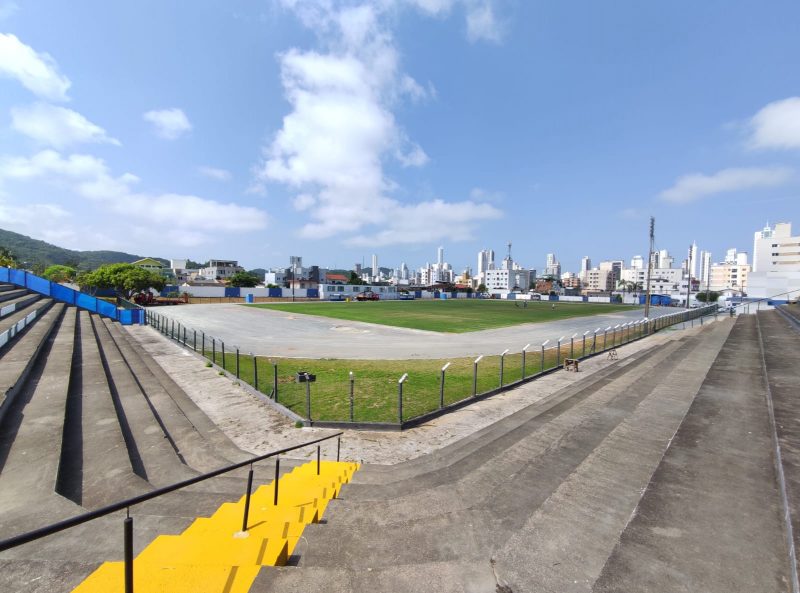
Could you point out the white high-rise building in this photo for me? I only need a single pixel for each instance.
(776, 263)
(376, 273)
(693, 259)
(637, 262)
(586, 264)
(665, 260)
(730, 256)
(705, 268)
(440, 256)
(553, 268)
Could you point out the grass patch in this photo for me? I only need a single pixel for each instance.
(451, 315)
(375, 388)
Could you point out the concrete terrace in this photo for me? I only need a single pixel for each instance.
(659, 471)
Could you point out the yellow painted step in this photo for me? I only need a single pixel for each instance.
(245, 549)
(205, 528)
(148, 578)
(232, 513)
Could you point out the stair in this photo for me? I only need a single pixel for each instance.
(214, 554)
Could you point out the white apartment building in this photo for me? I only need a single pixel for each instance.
(597, 280)
(637, 262)
(221, 269)
(776, 263)
(586, 264)
(662, 280)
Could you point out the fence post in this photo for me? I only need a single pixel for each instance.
(541, 370)
(475, 375)
(194, 340)
(128, 552)
(572, 346)
(275, 381)
(308, 399)
(237, 362)
(583, 350)
(222, 348)
(502, 364)
(441, 386)
(214, 350)
(524, 354)
(184, 335)
(558, 352)
(400, 397)
(352, 393)
(255, 371)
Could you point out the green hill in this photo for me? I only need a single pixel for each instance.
(32, 252)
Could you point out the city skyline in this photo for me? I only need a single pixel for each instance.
(328, 129)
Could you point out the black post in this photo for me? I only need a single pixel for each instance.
(502, 364)
(184, 335)
(277, 474)
(255, 372)
(523, 362)
(308, 399)
(247, 498)
(583, 355)
(214, 350)
(222, 348)
(352, 394)
(237, 362)
(203, 344)
(441, 390)
(474, 379)
(172, 331)
(128, 537)
(318, 448)
(194, 340)
(275, 381)
(572, 347)
(400, 402)
(338, 447)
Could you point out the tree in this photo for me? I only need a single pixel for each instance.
(125, 279)
(354, 279)
(712, 297)
(58, 273)
(7, 259)
(243, 279)
(481, 287)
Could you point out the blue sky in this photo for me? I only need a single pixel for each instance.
(337, 129)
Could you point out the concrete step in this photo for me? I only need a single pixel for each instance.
(30, 444)
(10, 306)
(780, 341)
(195, 450)
(15, 323)
(17, 359)
(202, 423)
(95, 466)
(4, 287)
(12, 293)
(153, 455)
(710, 519)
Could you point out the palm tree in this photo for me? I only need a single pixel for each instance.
(7, 259)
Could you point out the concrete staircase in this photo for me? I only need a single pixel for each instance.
(86, 420)
(653, 475)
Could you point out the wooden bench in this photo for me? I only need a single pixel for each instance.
(571, 364)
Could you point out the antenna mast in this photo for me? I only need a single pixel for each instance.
(649, 266)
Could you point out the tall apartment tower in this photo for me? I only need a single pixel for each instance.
(440, 256)
(693, 260)
(586, 264)
(705, 268)
(376, 273)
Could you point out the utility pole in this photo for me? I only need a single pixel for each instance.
(649, 266)
(689, 276)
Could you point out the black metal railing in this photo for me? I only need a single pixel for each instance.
(487, 375)
(53, 528)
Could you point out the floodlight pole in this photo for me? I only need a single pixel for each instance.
(475, 375)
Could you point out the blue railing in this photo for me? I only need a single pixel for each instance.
(70, 296)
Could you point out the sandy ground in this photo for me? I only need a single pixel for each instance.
(276, 333)
(256, 426)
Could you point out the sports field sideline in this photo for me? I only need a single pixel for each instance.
(451, 316)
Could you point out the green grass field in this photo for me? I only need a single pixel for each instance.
(452, 315)
(375, 393)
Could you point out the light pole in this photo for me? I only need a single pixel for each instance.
(524, 352)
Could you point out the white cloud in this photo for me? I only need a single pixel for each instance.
(479, 194)
(90, 177)
(332, 144)
(697, 185)
(777, 125)
(57, 126)
(37, 72)
(215, 173)
(482, 25)
(169, 124)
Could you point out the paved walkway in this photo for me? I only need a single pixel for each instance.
(276, 333)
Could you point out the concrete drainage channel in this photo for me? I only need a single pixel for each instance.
(564, 354)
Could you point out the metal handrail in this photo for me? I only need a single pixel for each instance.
(41, 532)
(787, 293)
